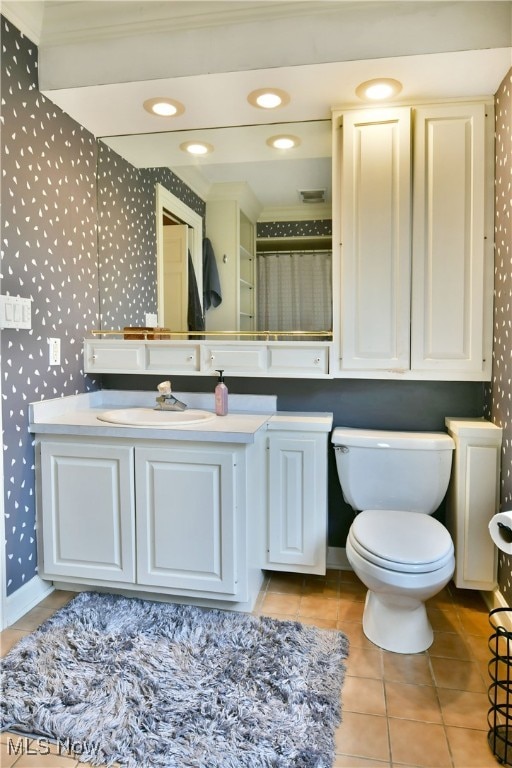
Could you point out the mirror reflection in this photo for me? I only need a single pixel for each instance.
(262, 216)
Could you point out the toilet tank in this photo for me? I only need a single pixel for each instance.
(393, 470)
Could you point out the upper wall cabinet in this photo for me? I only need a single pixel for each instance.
(415, 275)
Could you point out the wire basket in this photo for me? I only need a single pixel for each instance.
(499, 716)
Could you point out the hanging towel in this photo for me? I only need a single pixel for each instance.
(212, 295)
(195, 318)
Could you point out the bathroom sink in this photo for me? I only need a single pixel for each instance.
(149, 417)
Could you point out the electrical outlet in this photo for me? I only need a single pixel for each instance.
(54, 347)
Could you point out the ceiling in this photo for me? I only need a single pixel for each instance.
(100, 60)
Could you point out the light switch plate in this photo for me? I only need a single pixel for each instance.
(15, 312)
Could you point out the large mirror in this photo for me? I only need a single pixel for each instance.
(265, 214)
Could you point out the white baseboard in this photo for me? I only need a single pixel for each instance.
(496, 599)
(25, 598)
(337, 559)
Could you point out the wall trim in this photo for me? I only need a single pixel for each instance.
(337, 559)
(496, 599)
(25, 598)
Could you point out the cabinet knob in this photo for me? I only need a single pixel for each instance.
(212, 357)
(317, 360)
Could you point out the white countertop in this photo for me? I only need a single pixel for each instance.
(78, 415)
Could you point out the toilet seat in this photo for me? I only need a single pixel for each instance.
(401, 541)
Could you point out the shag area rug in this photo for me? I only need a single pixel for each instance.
(154, 684)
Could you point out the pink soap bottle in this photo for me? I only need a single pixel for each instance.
(221, 396)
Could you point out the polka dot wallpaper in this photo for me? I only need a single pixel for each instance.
(49, 254)
(127, 236)
(499, 392)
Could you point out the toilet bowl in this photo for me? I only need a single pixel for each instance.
(395, 481)
(403, 560)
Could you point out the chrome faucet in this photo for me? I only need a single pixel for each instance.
(166, 400)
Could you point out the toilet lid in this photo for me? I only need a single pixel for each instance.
(401, 541)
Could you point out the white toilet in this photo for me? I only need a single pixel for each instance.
(402, 557)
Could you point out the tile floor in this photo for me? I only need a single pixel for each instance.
(424, 710)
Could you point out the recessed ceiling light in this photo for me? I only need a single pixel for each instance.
(163, 107)
(379, 89)
(197, 147)
(284, 141)
(268, 98)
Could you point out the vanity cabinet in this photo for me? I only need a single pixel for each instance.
(177, 519)
(191, 514)
(297, 494)
(412, 212)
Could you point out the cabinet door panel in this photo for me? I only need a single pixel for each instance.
(297, 535)
(186, 519)
(448, 253)
(376, 239)
(87, 496)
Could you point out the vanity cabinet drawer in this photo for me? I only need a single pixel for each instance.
(111, 356)
(235, 359)
(295, 360)
(163, 358)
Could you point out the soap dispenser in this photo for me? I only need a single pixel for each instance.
(221, 396)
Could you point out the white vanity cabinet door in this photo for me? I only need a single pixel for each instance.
(448, 246)
(297, 502)
(376, 238)
(88, 511)
(187, 519)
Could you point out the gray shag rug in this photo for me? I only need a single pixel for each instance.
(155, 684)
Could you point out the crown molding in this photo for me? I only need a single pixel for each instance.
(25, 16)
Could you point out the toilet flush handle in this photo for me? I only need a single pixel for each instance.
(342, 448)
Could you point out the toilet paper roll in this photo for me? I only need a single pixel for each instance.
(500, 529)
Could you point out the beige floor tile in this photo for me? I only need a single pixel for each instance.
(354, 631)
(286, 583)
(327, 588)
(318, 607)
(413, 702)
(418, 744)
(8, 750)
(377, 682)
(352, 591)
(470, 749)
(450, 645)
(342, 761)
(475, 622)
(57, 599)
(350, 610)
(407, 668)
(9, 638)
(33, 619)
(313, 621)
(278, 603)
(363, 736)
(464, 708)
(444, 620)
(362, 694)
(365, 662)
(460, 675)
